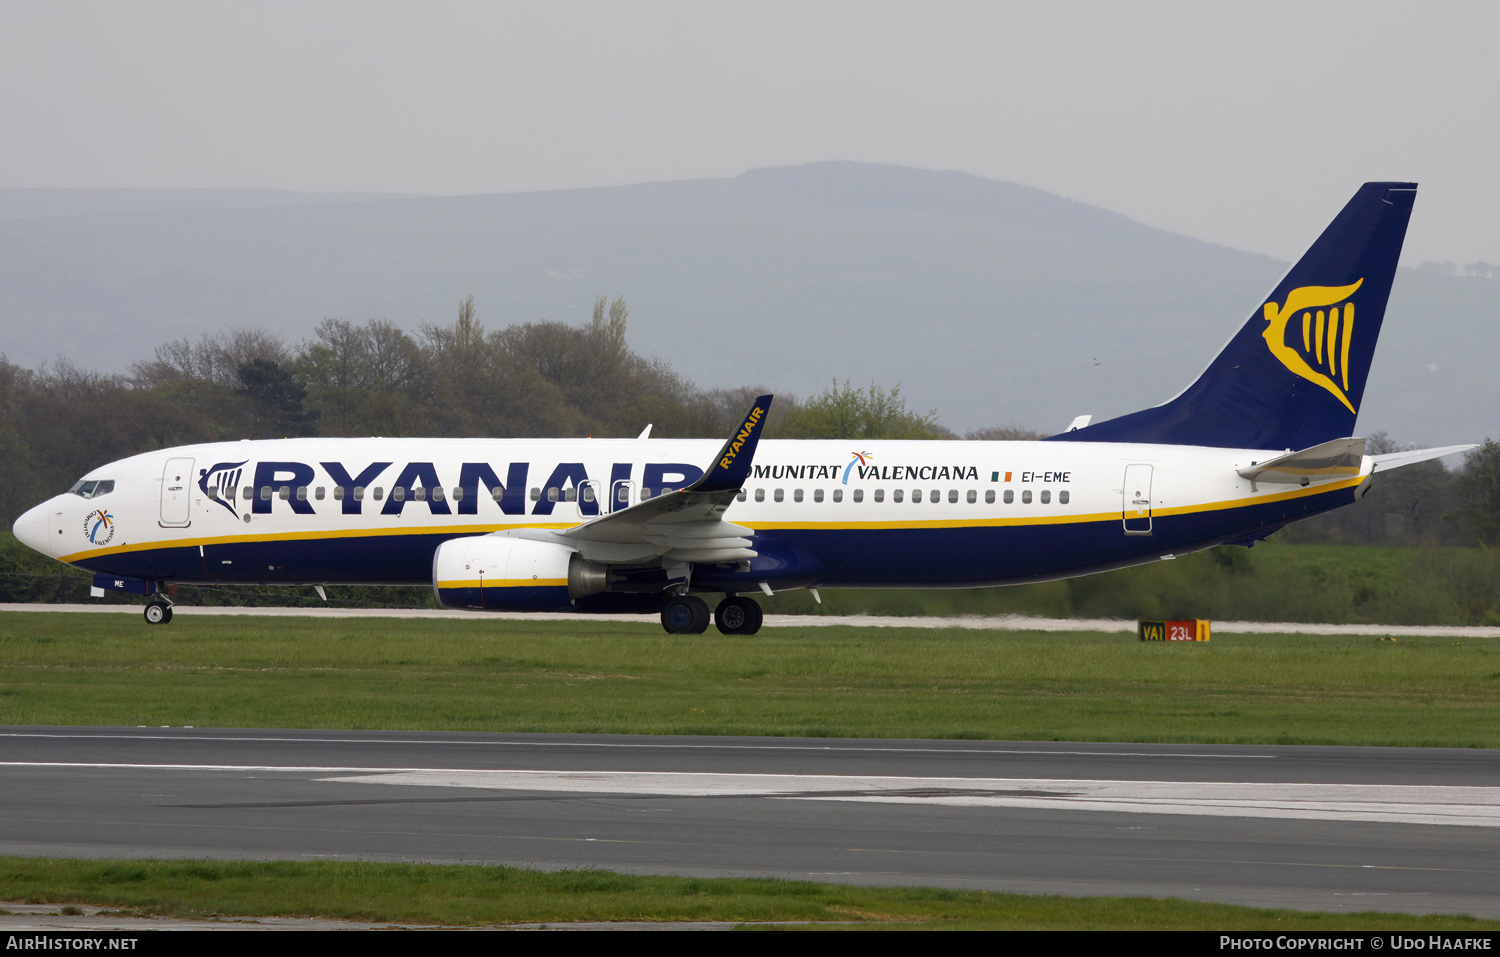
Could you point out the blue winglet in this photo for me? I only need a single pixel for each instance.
(731, 467)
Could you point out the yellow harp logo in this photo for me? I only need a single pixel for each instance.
(1326, 333)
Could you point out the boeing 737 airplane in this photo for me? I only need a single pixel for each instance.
(1261, 439)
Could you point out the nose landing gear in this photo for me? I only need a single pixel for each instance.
(158, 613)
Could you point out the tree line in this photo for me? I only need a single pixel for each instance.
(530, 380)
(539, 379)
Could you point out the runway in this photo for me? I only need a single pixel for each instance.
(1339, 829)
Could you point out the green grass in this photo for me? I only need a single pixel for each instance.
(1271, 582)
(473, 895)
(606, 677)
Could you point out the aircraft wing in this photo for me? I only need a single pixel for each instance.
(686, 525)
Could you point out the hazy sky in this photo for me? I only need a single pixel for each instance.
(1246, 124)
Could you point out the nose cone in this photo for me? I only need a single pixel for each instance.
(31, 529)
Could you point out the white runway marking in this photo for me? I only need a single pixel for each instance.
(1405, 804)
(1389, 803)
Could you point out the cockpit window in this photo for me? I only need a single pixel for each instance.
(92, 488)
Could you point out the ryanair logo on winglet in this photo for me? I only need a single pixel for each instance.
(738, 442)
(1324, 331)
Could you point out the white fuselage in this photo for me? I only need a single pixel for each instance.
(824, 513)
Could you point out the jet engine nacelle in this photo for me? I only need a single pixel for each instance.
(499, 573)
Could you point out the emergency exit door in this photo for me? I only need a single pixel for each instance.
(1136, 507)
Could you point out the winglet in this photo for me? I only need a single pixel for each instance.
(731, 467)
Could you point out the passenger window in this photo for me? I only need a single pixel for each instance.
(1046, 495)
(645, 493)
(879, 495)
(338, 493)
(302, 493)
(936, 496)
(319, 493)
(896, 495)
(497, 493)
(398, 494)
(838, 495)
(284, 493)
(1026, 497)
(1010, 496)
(989, 496)
(974, 496)
(738, 498)
(588, 493)
(797, 495)
(458, 493)
(378, 493)
(213, 493)
(570, 494)
(552, 493)
(1062, 497)
(359, 493)
(779, 495)
(760, 495)
(265, 493)
(536, 495)
(817, 495)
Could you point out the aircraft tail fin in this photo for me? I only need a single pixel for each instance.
(1294, 375)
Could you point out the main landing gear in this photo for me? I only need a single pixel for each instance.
(688, 615)
(158, 613)
(738, 616)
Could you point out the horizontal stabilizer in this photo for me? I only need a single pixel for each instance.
(1394, 460)
(1338, 459)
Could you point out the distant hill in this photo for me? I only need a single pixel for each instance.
(992, 302)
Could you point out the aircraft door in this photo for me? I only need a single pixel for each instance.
(620, 494)
(176, 493)
(1136, 505)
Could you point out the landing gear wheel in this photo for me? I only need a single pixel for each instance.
(738, 616)
(158, 613)
(685, 615)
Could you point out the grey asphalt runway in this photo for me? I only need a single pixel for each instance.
(1339, 829)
